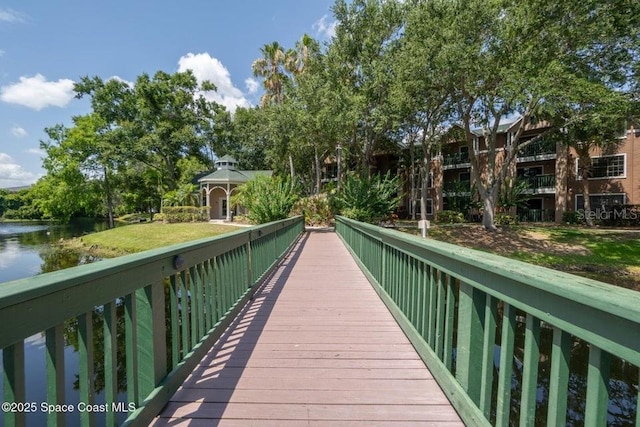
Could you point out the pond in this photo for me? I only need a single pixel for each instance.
(28, 249)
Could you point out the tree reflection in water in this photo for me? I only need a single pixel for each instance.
(623, 383)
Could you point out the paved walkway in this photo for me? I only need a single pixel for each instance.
(316, 346)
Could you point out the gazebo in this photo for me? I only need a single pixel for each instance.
(217, 187)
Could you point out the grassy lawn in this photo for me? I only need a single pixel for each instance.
(140, 237)
(608, 255)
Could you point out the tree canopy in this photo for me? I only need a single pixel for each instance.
(396, 75)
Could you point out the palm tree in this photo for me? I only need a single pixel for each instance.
(271, 67)
(298, 59)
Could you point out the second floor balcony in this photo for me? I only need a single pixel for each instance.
(540, 184)
(539, 150)
(455, 160)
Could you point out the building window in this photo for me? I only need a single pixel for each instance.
(429, 203)
(608, 167)
(601, 200)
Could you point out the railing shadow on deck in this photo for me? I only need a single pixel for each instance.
(216, 377)
(510, 343)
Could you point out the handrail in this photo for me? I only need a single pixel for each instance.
(454, 302)
(166, 333)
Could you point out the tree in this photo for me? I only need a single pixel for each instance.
(597, 119)
(159, 120)
(272, 68)
(361, 71)
(497, 63)
(421, 105)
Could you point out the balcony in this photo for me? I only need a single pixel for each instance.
(536, 215)
(453, 188)
(455, 161)
(540, 150)
(540, 184)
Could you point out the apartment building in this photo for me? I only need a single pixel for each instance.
(549, 169)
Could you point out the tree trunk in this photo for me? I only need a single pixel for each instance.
(318, 172)
(292, 170)
(585, 171)
(412, 172)
(488, 213)
(109, 199)
(423, 195)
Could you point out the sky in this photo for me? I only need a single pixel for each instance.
(46, 46)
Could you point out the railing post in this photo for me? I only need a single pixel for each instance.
(55, 372)
(249, 271)
(85, 374)
(598, 385)
(559, 374)
(152, 351)
(507, 344)
(470, 337)
(14, 382)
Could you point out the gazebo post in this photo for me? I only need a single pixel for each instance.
(228, 202)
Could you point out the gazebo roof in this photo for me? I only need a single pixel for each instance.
(232, 176)
(227, 158)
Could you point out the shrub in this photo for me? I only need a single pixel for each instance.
(449, 217)
(185, 214)
(316, 210)
(367, 199)
(504, 219)
(571, 218)
(266, 198)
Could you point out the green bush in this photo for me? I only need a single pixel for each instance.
(174, 214)
(504, 219)
(449, 217)
(367, 199)
(316, 209)
(266, 198)
(571, 218)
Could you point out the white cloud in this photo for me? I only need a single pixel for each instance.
(205, 67)
(37, 152)
(252, 85)
(19, 132)
(1, 52)
(325, 28)
(37, 93)
(10, 15)
(12, 174)
(120, 79)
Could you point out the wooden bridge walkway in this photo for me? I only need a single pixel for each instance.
(316, 346)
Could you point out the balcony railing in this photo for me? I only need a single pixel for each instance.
(168, 305)
(539, 181)
(455, 159)
(486, 326)
(536, 215)
(538, 149)
(456, 187)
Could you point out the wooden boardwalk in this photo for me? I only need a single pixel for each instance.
(316, 346)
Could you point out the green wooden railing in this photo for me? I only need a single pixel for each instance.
(175, 302)
(500, 336)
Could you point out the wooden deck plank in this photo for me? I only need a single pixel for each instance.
(316, 346)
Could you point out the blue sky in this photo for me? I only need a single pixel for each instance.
(47, 45)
